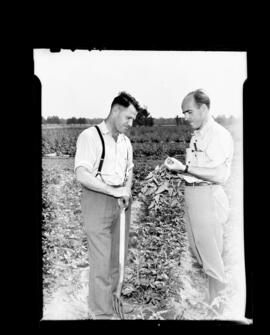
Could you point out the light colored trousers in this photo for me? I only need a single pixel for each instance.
(101, 216)
(207, 209)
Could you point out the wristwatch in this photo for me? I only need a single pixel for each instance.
(186, 169)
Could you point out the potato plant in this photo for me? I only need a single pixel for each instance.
(150, 279)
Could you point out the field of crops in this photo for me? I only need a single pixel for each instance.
(147, 141)
(162, 279)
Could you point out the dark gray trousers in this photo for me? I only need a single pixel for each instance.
(101, 216)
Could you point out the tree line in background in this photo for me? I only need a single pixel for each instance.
(143, 119)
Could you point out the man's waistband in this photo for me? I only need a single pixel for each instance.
(199, 184)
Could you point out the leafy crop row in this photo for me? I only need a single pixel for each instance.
(64, 242)
(160, 237)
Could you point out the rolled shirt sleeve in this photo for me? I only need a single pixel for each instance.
(86, 152)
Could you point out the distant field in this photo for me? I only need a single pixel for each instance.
(59, 126)
(156, 141)
(147, 141)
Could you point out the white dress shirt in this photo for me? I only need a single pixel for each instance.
(118, 161)
(210, 146)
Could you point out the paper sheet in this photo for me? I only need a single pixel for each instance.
(191, 179)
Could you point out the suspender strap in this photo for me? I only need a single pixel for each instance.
(103, 151)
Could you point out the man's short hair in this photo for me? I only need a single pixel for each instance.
(200, 98)
(124, 99)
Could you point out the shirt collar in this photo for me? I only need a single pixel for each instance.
(104, 129)
(204, 129)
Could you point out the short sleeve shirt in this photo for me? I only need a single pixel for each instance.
(210, 147)
(118, 160)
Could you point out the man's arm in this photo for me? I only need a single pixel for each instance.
(124, 201)
(89, 181)
(216, 174)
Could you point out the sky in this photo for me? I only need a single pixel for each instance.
(83, 83)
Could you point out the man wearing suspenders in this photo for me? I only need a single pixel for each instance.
(104, 167)
(208, 163)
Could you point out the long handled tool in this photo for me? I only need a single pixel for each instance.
(117, 303)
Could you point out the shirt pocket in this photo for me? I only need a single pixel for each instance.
(200, 158)
(189, 158)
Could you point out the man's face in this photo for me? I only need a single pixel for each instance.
(124, 118)
(194, 115)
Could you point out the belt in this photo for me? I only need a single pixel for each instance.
(198, 184)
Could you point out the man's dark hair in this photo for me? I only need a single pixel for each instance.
(124, 99)
(200, 98)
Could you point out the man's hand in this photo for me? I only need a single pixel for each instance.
(121, 192)
(173, 164)
(123, 202)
